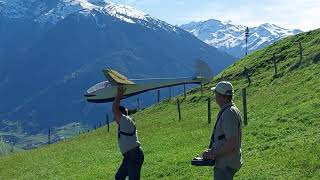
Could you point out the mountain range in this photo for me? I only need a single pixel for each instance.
(231, 38)
(51, 51)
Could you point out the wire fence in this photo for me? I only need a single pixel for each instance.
(245, 74)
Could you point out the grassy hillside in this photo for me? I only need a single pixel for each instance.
(282, 140)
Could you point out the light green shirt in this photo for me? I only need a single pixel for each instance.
(229, 125)
(127, 143)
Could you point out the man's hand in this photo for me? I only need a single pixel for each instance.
(120, 91)
(208, 154)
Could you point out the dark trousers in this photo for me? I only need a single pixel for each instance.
(224, 173)
(131, 165)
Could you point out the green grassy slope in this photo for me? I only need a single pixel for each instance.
(282, 140)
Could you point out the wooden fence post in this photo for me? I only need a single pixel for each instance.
(49, 136)
(107, 122)
(178, 103)
(158, 91)
(184, 91)
(246, 73)
(275, 65)
(244, 103)
(301, 51)
(12, 144)
(209, 110)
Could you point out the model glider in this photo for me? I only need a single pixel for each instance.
(106, 91)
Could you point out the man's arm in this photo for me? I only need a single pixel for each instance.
(228, 147)
(230, 126)
(116, 103)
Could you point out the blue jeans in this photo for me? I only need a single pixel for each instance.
(224, 173)
(131, 165)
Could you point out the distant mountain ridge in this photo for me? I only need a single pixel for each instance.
(53, 11)
(230, 38)
(51, 51)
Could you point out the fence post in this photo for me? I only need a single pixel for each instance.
(275, 65)
(209, 110)
(12, 144)
(184, 91)
(301, 50)
(49, 134)
(244, 103)
(107, 122)
(246, 73)
(158, 91)
(178, 103)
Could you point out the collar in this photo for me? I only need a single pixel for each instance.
(227, 104)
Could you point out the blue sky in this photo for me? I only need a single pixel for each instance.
(302, 14)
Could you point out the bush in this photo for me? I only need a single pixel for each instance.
(316, 57)
(316, 41)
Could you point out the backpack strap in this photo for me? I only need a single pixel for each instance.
(125, 133)
(215, 126)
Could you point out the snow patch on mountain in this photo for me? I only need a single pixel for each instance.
(124, 12)
(42, 13)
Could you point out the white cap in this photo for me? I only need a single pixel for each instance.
(224, 88)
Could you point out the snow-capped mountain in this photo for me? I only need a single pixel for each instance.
(67, 7)
(231, 38)
(56, 10)
(51, 12)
